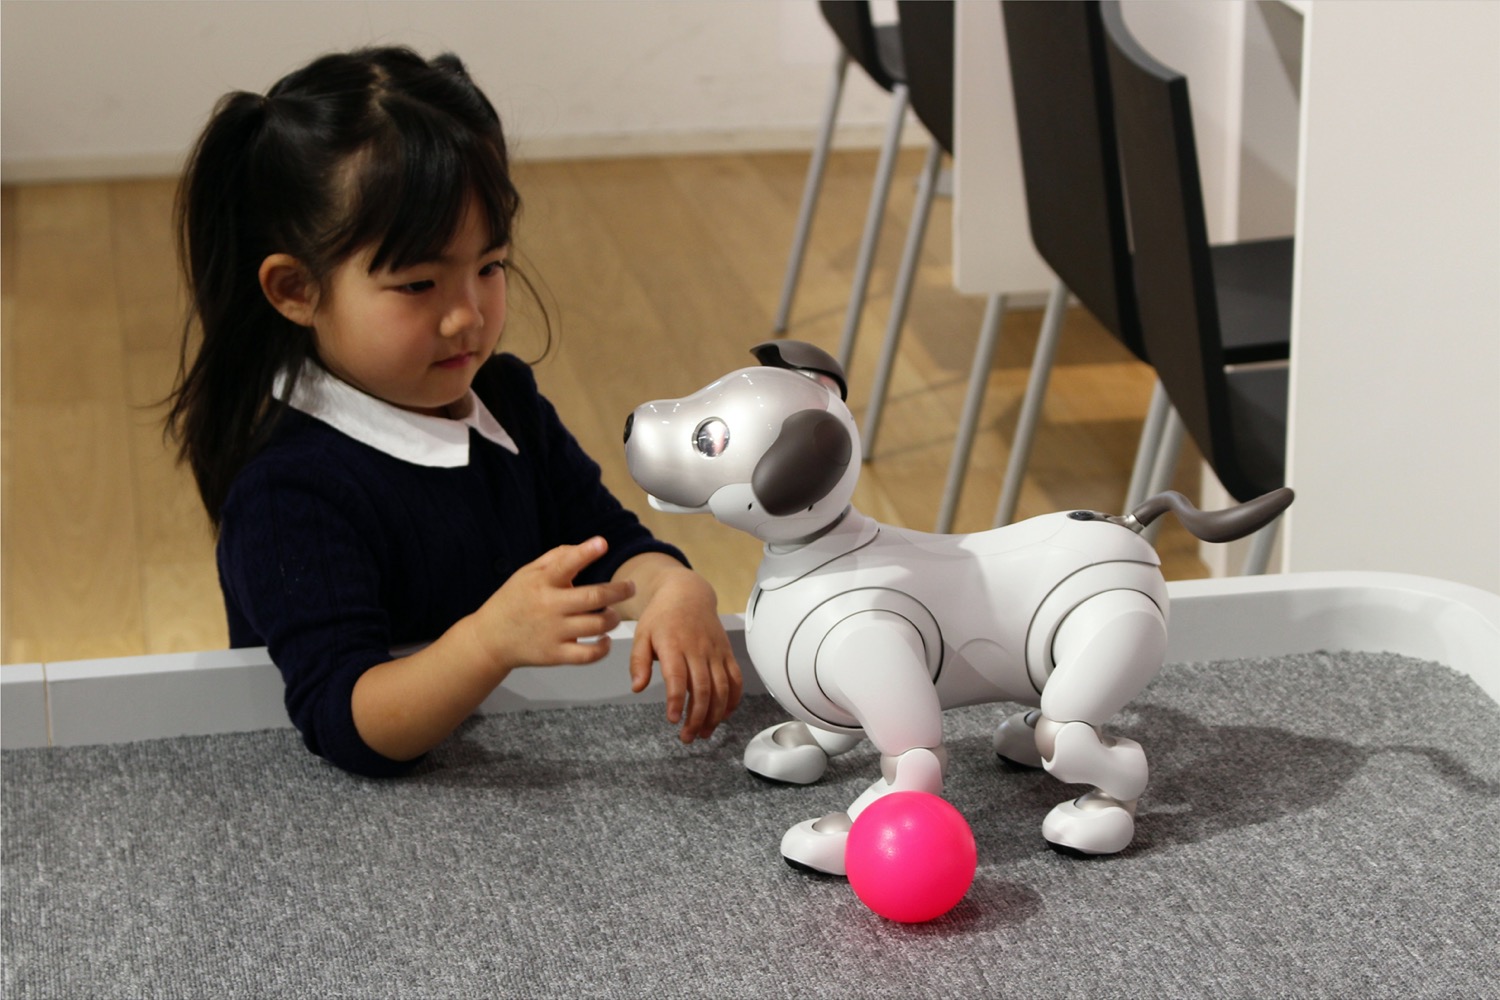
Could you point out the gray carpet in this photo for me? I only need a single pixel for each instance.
(1323, 825)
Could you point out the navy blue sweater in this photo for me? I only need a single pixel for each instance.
(332, 553)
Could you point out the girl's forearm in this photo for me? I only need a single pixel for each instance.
(407, 706)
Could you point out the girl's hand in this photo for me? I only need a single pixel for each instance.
(679, 626)
(538, 618)
(406, 706)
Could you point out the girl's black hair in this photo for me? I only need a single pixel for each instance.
(374, 148)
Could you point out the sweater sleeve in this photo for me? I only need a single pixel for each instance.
(574, 498)
(297, 563)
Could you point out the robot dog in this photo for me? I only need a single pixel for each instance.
(860, 629)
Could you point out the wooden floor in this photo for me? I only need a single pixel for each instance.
(659, 274)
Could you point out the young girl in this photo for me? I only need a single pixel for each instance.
(378, 476)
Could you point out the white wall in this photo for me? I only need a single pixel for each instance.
(1395, 394)
(122, 87)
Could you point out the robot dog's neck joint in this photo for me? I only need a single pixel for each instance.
(798, 543)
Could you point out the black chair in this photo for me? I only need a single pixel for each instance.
(876, 48)
(926, 28)
(1075, 208)
(1076, 211)
(1192, 300)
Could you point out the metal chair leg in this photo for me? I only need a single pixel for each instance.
(1165, 466)
(1031, 407)
(916, 233)
(968, 422)
(810, 191)
(873, 218)
(1150, 443)
(1261, 545)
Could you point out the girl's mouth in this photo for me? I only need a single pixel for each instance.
(457, 361)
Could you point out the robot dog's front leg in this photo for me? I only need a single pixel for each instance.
(873, 666)
(1106, 651)
(794, 752)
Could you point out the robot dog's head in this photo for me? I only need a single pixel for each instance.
(770, 450)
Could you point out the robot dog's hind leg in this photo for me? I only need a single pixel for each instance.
(1106, 651)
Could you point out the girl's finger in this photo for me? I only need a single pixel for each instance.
(600, 595)
(676, 691)
(589, 626)
(641, 657)
(720, 708)
(567, 561)
(702, 700)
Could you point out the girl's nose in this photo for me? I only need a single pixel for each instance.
(463, 315)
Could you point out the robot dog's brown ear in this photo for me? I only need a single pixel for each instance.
(800, 357)
(804, 464)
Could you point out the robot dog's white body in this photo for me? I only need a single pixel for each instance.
(981, 610)
(860, 629)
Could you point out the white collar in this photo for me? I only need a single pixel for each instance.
(437, 442)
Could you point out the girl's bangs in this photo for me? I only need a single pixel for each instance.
(410, 201)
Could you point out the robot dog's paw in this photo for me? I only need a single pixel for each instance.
(817, 845)
(787, 753)
(1015, 741)
(1091, 824)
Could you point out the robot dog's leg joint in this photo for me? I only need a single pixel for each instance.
(920, 769)
(917, 770)
(1077, 753)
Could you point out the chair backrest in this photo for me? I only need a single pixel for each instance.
(1069, 157)
(1174, 275)
(854, 26)
(927, 50)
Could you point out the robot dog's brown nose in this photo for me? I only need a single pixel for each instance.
(629, 425)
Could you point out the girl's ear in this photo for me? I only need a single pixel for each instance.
(289, 288)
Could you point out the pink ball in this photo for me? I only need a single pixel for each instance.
(910, 856)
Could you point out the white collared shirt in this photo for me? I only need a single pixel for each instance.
(436, 442)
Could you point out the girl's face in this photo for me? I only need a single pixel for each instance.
(415, 337)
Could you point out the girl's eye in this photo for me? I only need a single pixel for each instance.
(494, 267)
(414, 287)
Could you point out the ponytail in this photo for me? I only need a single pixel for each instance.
(220, 408)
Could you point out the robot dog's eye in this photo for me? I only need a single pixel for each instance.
(711, 437)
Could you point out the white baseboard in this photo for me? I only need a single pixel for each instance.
(593, 147)
(154, 697)
(46, 170)
(23, 706)
(130, 698)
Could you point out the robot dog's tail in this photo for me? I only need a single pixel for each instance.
(1214, 525)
